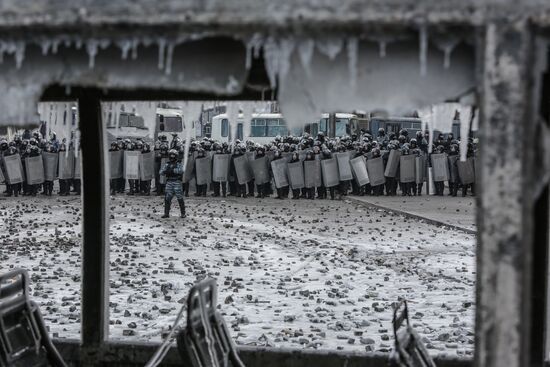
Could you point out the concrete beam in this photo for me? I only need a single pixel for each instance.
(505, 208)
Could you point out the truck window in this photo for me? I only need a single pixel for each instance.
(276, 127)
(258, 128)
(225, 128)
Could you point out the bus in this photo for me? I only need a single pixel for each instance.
(411, 124)
(264, 127)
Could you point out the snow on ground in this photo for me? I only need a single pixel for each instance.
(299, 274)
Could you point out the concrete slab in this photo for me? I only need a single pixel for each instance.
(456, 212)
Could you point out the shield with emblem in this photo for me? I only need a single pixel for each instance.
(147, 166)
(440, 168)
(66, 165)
(279, 169)
(34, 168)
(131, 165)
(260, 170)
(375, 170)
(203, 171)
(296, 175)
(466, 171)
(359, 167)
(407, 168)
(329, 171)
(242, 169)
(393, 163)
(453, 168)
(420, 169)
(312, 174)
(49, 161)
(115, 164)
(220, 167)
(14, 173)
(344, 168)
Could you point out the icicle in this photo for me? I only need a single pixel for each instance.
(305, 51)
(447, 46)
(78, 44)
(55, 46)
(2, 51)
(19, 54)
(382, 49)
(232, 112)
(67, 89)
(352, 48)
(67, 42)
(124, 46)
(443, 116)
(271, 57)
(135, 43)
(161, 42)
(286, 47)
(45, 46)
(330, 47)
(465, 118)
(475, 121)
(76, 143)
(423, 56)
(253, 47)
(91, 48)
(169, 54)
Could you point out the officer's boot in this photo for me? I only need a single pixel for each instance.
(224, 189)
(182, 208)
(166, 208)
(216, 186)
(419, 189)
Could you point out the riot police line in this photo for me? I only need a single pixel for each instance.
(299, 167)
(30, 166)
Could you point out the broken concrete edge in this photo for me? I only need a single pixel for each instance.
(414, 216)
(140, 352)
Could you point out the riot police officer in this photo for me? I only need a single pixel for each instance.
(173, 170)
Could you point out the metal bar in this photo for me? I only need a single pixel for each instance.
(95, 245)
(504, 215)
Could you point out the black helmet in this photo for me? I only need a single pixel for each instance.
(173, 154)
(381, 131)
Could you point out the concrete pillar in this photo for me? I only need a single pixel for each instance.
(505, 206)
(95, 239)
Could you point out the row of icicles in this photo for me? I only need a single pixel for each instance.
(277, 51)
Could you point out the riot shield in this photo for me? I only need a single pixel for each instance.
(147, 166)
(220, 167)
(393, 163)
(312, 174)
(302, 155)
(242, 169)
(375, 169)
(329, 170)
(420, 169)
(14, 173)
(359, 168)
(287, 156)
(162, 178)
(66, 165)
(440, 167)
(115, 161)
(2, 178)
(260, 170)
(296, 175)
(35, 170)
(407, 168)
(49, 160)
(131, 165)
(278, 167)
(453, 168)
(188, 174)
(203, 171)
(250, 156)
(78, 165)
(466, 171)
(344, 168)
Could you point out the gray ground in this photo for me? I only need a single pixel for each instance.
(302, 274)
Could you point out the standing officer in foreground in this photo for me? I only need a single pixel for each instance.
(173, 170)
